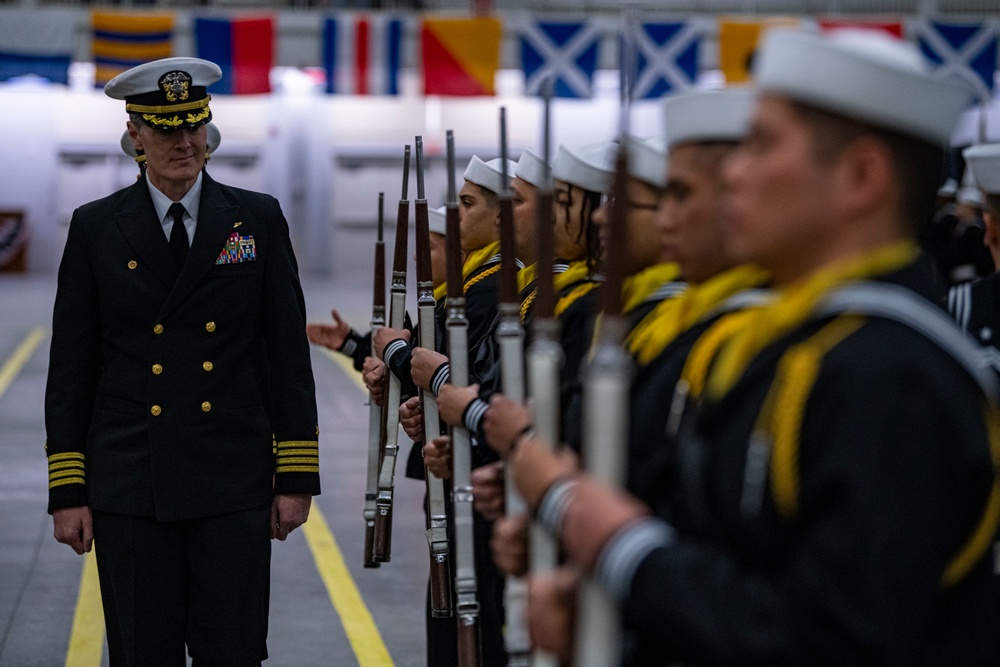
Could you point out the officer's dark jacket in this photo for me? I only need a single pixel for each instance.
(179, 394)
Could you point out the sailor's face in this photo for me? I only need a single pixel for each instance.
(778, 190)
(439, 258)
(477, 219)
(567, 209)
(642, 248)
(524, 197)
(689, 219)
(173, 156)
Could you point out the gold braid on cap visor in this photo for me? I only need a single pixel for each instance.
(150, 114)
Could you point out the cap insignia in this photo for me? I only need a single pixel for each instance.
(175, 85)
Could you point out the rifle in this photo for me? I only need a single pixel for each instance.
(545, 358)
(382, 550)
(375, 412)
(437, 520)
(510, 337)
(605, 426)
(467, 602)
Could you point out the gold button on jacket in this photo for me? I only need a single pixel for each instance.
(207, 366)
(206, 406)
(157, 369)
(158, 329)
(132, 264)
(156, 410)
(210, 327)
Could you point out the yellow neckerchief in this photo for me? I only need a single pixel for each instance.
(672, 317)
(474, 261)
(525, 277)
(576, 272)
(793, 306)
(640, 286)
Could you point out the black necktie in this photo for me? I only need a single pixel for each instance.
(178, 235)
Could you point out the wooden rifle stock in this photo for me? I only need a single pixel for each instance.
(510, 338)
(437, 517)
(466, 585)
(605, 426)
(375, 412)
(382, 549)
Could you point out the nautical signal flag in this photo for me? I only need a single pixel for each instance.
(362, 54)
(460, 56)
(738, 44)
(894, 28)
(36, 41)
(666, 57)
(242, 47)
(564, 52)
(123, 40)
(967, 51)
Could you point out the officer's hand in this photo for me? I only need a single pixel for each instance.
(509, 544)
(437, 457)
(386, 335)
(411, 418)
(373, 373)
(487, 490)
(552, 611)
(504, 422)
(288, 512)
(452, 402)
(74, 526)
(595, 513)
(423, 363)
(330, 336)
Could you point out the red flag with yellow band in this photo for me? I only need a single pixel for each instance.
(460, 56)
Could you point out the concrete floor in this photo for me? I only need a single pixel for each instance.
(40, 579)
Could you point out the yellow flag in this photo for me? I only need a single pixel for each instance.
(738, 40)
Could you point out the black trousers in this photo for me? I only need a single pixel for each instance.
(203, 583)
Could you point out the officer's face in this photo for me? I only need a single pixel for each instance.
(690, 215)
(781, 210)
(567, 208)
(524, 196)
(477, 219)
(174, 157)
(642, 247)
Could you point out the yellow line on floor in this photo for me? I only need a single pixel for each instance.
(347, 365)
(362, 633)
(86, 642)
(16, 361)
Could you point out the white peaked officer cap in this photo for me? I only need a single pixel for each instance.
(212, 140)
(591, 167)
(531, 168)
(708, 115)
(862, 74)
(167, 93)
(647, 160)
(489, 174)
(436, 221)
(984, 162)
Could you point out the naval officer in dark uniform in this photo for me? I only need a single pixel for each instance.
(180, 406)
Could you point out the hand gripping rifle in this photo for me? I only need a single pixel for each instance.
(510, 337)
(437, 520)
(375, 412)
(382, 550)
(467, 606)
(605, 427)
(545, 359)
